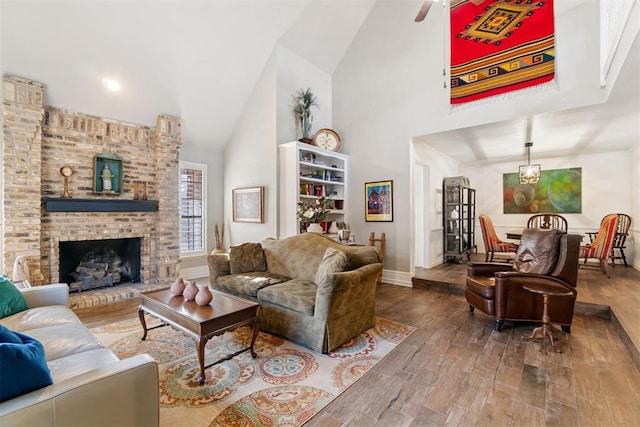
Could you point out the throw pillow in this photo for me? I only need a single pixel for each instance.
(538, 251)
(333, 261)
(8, 336)
(11, 299)
(23, 367)
(247, 258)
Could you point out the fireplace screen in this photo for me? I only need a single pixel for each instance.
(95, 264)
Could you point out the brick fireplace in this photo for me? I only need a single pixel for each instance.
(40, 140)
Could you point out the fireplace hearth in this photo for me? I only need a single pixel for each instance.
(93, 264)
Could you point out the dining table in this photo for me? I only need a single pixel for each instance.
(517, 234)
(514, 234)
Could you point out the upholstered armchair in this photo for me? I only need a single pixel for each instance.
(544, 256)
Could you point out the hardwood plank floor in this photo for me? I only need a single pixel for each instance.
(456, 370)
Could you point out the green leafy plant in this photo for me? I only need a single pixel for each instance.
(343, 226)
(304, 100)
(313, 210)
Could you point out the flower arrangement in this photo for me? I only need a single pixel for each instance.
(313, 210)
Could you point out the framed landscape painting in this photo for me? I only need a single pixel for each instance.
(248, 204)
(379, 201)
(558, 191)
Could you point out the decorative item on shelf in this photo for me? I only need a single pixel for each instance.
(66, 172)
(304, 100)
(314, 227)
(333, 228)
(107, 173)
(190, 291)
(314, 211)
(204, 296)
(219, 235)
(135, 190)
(178, 287)
(144, 190)
(343, 232)
(328, 139)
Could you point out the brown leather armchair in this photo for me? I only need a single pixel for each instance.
(544, 256)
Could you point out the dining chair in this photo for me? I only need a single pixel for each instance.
(601, 246)
(548, 222)
(624, 223)
(492, 244)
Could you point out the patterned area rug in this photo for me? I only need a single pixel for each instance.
(285, 385)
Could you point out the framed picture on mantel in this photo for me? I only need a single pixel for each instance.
(107, 173)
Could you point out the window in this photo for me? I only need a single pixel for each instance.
(192, 208)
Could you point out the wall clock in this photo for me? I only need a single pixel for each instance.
(328, 139)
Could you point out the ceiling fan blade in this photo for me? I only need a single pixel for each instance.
(422, 13)
(476, 2)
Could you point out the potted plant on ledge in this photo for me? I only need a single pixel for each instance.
(304, 100)
(312, 212)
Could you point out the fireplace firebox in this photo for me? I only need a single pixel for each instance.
(92, 264)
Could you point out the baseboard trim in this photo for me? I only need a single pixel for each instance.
(194, 272)
(400, 278)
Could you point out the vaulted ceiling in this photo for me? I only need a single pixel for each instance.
(200, 60)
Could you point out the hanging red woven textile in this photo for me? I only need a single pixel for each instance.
(499, 46)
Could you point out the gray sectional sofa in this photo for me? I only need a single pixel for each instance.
(311, 289)
(91, 386)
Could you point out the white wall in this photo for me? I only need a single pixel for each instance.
(604, 190)
(295, 73)
(389, 87)
(633, 241)
(251, 157)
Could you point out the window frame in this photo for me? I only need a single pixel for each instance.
(202, 167)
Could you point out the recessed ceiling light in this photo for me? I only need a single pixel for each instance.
(113, 85)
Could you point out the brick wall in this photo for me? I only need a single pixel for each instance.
(39, 140)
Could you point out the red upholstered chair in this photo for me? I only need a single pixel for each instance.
(601, 246)
(492, 244)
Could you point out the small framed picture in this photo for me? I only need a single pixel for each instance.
(107, 173)
(248, 204)
(379, 201)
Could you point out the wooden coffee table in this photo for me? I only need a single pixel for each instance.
(225, 312)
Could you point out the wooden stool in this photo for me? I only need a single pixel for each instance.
(546, 290)
(372, 242)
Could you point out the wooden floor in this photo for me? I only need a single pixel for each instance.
(456, 370)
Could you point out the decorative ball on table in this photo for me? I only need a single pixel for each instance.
(204, 296)
(178, 287)
(190, 291)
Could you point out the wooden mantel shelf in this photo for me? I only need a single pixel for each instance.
(52, 204)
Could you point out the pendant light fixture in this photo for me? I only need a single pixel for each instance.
(529, 174)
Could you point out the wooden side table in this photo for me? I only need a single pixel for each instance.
(546, 290)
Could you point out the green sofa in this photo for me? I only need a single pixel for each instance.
(311, 289)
